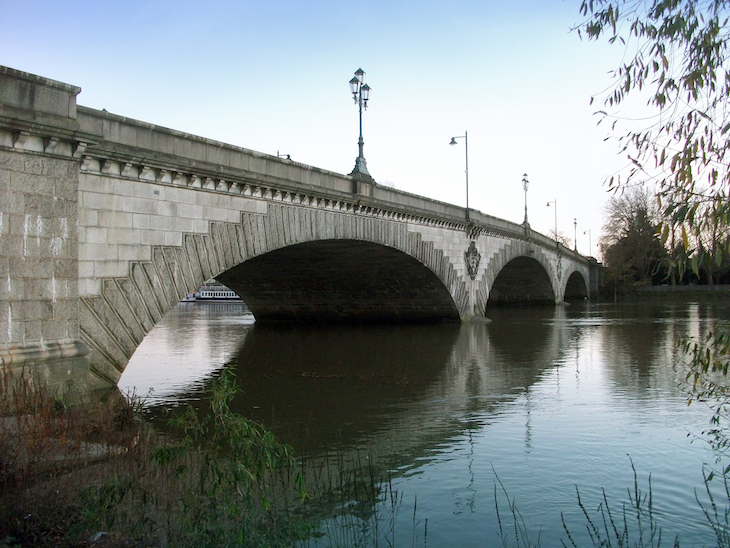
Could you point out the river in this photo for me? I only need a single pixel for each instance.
(541, 400)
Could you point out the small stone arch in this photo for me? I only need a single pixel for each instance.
(523, 280)
(576, 288)
(520, 249)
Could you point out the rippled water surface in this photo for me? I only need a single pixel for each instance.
(544, 399)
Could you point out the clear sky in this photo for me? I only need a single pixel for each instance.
(272, 76)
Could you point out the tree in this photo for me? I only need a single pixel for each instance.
(561, 238)
(630, 245)
(711, 237)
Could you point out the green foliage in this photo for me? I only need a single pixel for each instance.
(718, 518)
(676, 51)
(676, 55)
(237, 450)
(710, 361)
(211, 483)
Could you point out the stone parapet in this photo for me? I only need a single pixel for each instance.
(29, 98)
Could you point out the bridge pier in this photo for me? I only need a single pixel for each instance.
(40, 146)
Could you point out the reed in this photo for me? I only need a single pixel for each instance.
(351, 504)
(77, 475)
(48, 451)
(634, 524)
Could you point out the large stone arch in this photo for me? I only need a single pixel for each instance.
(114, 323)
(340, 281)
(514, 250)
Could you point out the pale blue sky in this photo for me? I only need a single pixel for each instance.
(273, 76)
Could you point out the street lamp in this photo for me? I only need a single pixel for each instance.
(575, 234)
(555, 204)
(466, 148)
(525, 186)
(360, 93)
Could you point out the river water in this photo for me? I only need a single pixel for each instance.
(541, 400)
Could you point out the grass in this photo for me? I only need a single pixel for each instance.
(47, 448)
(72, 476)
(633, 525)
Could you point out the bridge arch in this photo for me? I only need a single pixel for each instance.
(252, 258)
(576, 288)
(523, 280)
(340, 281)
(521, 261)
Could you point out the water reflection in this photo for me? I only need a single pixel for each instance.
(177, 358)
(349, 386)
(549, 397)
(322, 384)
(334, 387)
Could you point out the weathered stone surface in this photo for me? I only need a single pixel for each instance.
(41, 100)
(145, 286)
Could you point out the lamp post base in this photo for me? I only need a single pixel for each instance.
(361, 169)
(362, 180)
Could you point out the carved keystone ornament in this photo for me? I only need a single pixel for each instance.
(472, 258)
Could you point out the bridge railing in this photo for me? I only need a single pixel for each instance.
(398, 199)
(165, 150)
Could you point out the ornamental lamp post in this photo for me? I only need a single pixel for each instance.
(360, 93)
(575, 234)
(466, 149)
(525, 186)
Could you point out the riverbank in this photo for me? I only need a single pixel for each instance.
(691, 290)
(667, 292)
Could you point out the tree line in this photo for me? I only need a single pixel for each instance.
(643, 245)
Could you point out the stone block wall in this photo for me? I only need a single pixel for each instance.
(38, 249)
(122, 220)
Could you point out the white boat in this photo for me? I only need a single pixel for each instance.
(212, 291)
(221, 293)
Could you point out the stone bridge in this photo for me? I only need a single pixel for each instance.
(107, 222)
